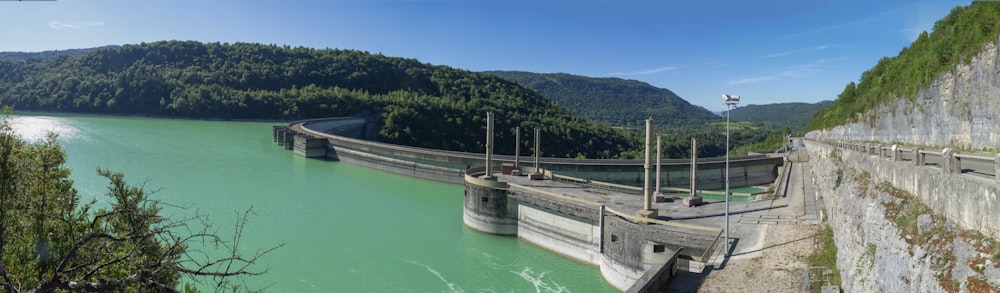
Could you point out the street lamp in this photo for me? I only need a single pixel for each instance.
(730, 101)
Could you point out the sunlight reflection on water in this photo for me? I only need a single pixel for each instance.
(35, 128)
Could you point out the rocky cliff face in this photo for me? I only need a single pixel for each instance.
(888, 240)
(960, 108)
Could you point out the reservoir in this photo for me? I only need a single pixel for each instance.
(345, 228)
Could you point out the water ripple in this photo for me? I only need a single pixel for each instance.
(454, 288)
(540, 285)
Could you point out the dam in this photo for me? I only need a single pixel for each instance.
(583, 209)
(345, 139)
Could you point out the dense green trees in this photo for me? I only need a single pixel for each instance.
(955, 39)
(627, 103)
(793, 115)
(50, 242)
(614, 101)
(414, 103)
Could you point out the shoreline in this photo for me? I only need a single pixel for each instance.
(32, 112)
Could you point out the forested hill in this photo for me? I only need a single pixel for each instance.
(954, 40)
(415, 104)
(23, 56)
(779, 115)
(615, 101)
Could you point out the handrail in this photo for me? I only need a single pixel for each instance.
(952, 158)
(981, 157)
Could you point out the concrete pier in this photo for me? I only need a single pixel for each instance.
(592, 226)
(309, 147)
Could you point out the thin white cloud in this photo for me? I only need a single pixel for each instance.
(786, 53)
(789, 72)
(79, 25)
(853, 25)
(755, 79)
(648, 71)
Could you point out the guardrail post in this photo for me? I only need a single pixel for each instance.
(897, 153)
(952, 164)
(996, 172)
(919, 158)
(881, 151)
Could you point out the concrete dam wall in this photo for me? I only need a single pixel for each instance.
(345, 142)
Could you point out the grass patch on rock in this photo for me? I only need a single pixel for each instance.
(826, 255)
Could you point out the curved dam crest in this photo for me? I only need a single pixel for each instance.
(631, 254)
(344, 139)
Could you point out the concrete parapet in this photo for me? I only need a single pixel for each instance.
(658, 277)
(968, 201)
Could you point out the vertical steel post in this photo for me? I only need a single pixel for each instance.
(727, 180)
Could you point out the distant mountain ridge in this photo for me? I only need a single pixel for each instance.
(409, 102)
(614, 101)
(794, 115)
(51, 54)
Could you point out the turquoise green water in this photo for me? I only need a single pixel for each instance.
(344, 228)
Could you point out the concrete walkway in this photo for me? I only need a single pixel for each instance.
(751, 232)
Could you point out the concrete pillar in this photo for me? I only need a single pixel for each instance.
(517, 147)
(880, 152)
(694, 167)
(647, 204)
(489, 146)
(658, 159)
(537, 175)
(952, 164)
(694, 199)
(919, 158)
(897, 153)
(647, 198)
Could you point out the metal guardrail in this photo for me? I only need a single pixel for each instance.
(952, 161)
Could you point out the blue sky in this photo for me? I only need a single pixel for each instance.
(767, 51)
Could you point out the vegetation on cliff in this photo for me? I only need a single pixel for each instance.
(414, 103)
(955, 39)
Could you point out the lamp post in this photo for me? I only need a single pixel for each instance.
(730, 101)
